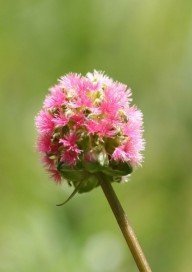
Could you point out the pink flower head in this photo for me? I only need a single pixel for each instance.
(78, 120)
(60, 120)
(99, 78)
(115, 99)
(70, 81)
(55, 175)
(69, 157)
(44, 123)
(103, 128)
(119, 154)
(87, 125)
(69, 140)
(55, 99)
(44, 143)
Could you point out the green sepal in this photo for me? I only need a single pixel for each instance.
(82, 180)
(88, 184)
(84, 175)
(115, 171)
(112, 172)
(124, 167)
(71, 173)
(92, 167)
(71, 195)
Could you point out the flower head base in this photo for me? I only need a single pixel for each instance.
(87, 127)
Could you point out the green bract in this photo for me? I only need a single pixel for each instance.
(85, 176)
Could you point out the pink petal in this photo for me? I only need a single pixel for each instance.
(44, 122)
(55, 99)
(44, 143)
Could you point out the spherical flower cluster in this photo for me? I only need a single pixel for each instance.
(87, 127)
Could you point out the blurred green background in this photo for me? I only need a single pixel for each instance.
(148, 46)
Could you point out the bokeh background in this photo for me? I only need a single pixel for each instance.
(148, 46)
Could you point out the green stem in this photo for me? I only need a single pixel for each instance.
(124, 225)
